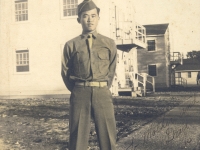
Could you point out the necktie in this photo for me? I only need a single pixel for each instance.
(90, 40)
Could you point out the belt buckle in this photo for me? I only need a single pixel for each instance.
(87, 83)
(100, 84)
(93, 84)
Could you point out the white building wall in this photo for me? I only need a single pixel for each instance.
(4, 47)
(190, 81)
(44, 35)
(126, 60)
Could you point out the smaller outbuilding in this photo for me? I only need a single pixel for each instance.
(187, 72)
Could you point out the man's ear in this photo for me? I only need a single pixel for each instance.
(78, 19)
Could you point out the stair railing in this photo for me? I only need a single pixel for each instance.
(152, 82)
(180, 81)
(143, 78)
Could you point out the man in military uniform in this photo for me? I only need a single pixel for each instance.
(88, 68)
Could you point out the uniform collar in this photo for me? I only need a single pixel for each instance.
(94, 35)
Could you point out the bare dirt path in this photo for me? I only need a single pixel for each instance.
(178, 129)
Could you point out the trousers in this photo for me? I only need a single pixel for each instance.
(95, 102)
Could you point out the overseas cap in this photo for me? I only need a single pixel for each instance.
(86, 5)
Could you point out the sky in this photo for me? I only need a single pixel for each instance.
(182, 15)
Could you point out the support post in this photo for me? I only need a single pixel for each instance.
(153, 84)
(135, 80)
(144, 83)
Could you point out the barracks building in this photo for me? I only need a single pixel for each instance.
(33, 34)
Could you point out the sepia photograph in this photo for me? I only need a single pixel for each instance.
(100, 75)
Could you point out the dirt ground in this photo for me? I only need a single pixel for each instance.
(42, 124)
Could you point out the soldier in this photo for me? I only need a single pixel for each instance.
(88, 68)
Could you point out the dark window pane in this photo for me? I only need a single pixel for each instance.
(22, 68)
(152, 70)
(189, 75)
(151, 45)
(179, 74)
(73, 12)
(24, 55)
(68, 12)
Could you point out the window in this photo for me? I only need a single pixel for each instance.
(21, 10)
(22, 61)
(178, 75)
(151, 45)
(189, 75)
(70, 7)
(152, 71)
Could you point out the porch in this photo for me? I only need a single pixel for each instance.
(129, 35)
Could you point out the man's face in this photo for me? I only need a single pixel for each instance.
(89, 20)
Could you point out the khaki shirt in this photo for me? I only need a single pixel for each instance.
(79, 63)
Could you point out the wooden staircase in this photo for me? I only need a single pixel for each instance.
(139, 87)
(137, 92)
(142, 79)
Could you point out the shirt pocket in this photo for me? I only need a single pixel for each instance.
(103, 60)
(103, 55)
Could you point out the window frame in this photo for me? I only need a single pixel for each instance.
(151, 39)
(62, 11)
(155, 70)
(17, 50)
(178, 75)
(22, 57)
(189, 74)
(28, 11)
(22, 60)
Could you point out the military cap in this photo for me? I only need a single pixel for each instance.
(86, 5)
